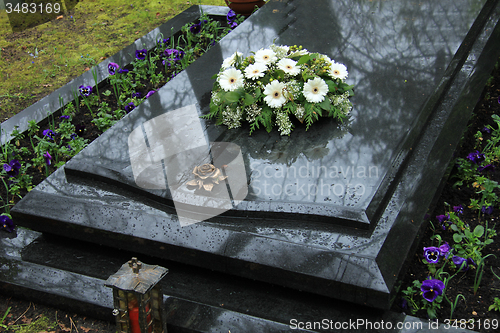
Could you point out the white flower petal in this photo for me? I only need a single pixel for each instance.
(231, 79)
(289, 66)
(338, 71)
(229, 61)
(266, 56)
(315, 90)
(274, 94)
(255, 71)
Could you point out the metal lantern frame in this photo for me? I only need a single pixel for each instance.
(137, 297)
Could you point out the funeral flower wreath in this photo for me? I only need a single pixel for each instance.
(274, 84)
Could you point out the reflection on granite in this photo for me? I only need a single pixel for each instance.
(418, 72)
(398, 55)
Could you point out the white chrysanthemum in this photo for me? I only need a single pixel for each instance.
(289, 66)
(299, 53)
(231, 79)
(265, 56)
(255, 71)
(315, 90)
(229, 61)
(280, 50)
(338, 71)
(274, 94)
(325, 58)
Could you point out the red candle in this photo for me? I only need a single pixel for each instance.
(133, 314)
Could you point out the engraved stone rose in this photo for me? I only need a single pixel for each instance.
(206, 176)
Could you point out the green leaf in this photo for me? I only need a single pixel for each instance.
(249, 100)
(454, 227)
(325, 105)
(280, 74)
(303, 59)
(468, 234)
(332, 85)
(479, 231)
(488, 241)
(457, 238)
(232, 96)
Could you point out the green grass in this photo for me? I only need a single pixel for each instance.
(40, 325)
(64, 49)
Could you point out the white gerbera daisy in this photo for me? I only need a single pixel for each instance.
(229, 61)
(338, 71)
(274, 94)
(231, 79)
(266, 56)
(254, 71)
(289, 66)
(315, 90)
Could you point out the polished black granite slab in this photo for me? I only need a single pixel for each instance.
(70, 275)
(418, 69)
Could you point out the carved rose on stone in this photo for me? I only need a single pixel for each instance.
(206, 176)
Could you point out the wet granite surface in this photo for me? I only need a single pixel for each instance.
(418, 69)
(71, 274)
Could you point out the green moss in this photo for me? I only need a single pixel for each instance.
(69, 46)
(41, 324)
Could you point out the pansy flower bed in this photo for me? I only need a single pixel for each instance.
(31, 156)
(454, 277)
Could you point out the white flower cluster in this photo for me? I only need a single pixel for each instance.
(285, 80)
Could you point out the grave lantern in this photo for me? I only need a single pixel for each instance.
(137, 298)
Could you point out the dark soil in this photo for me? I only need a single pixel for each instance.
(476, 305)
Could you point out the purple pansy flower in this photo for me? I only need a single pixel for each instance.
(141, 54)
(164, 41)
(112, 67)
(444, 249)
(459, 261)
(173, 54)
(487, 168)
(458, 209)
(85, 90)
(73, 136)
(431, 254)
(476, 157)
(487, 210)
(123, 71)
(50, 133)
(195, 28)
(231, 16)
(129, 107)
(442, 219)
(431, 289)
(6, 223)
(136, 94)
(486, 129)
(64, 117)
(47, 157)
(471, 262)
(150, 93)
(12, 168)
(79, 129)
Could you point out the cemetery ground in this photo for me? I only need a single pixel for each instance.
(16, 93)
